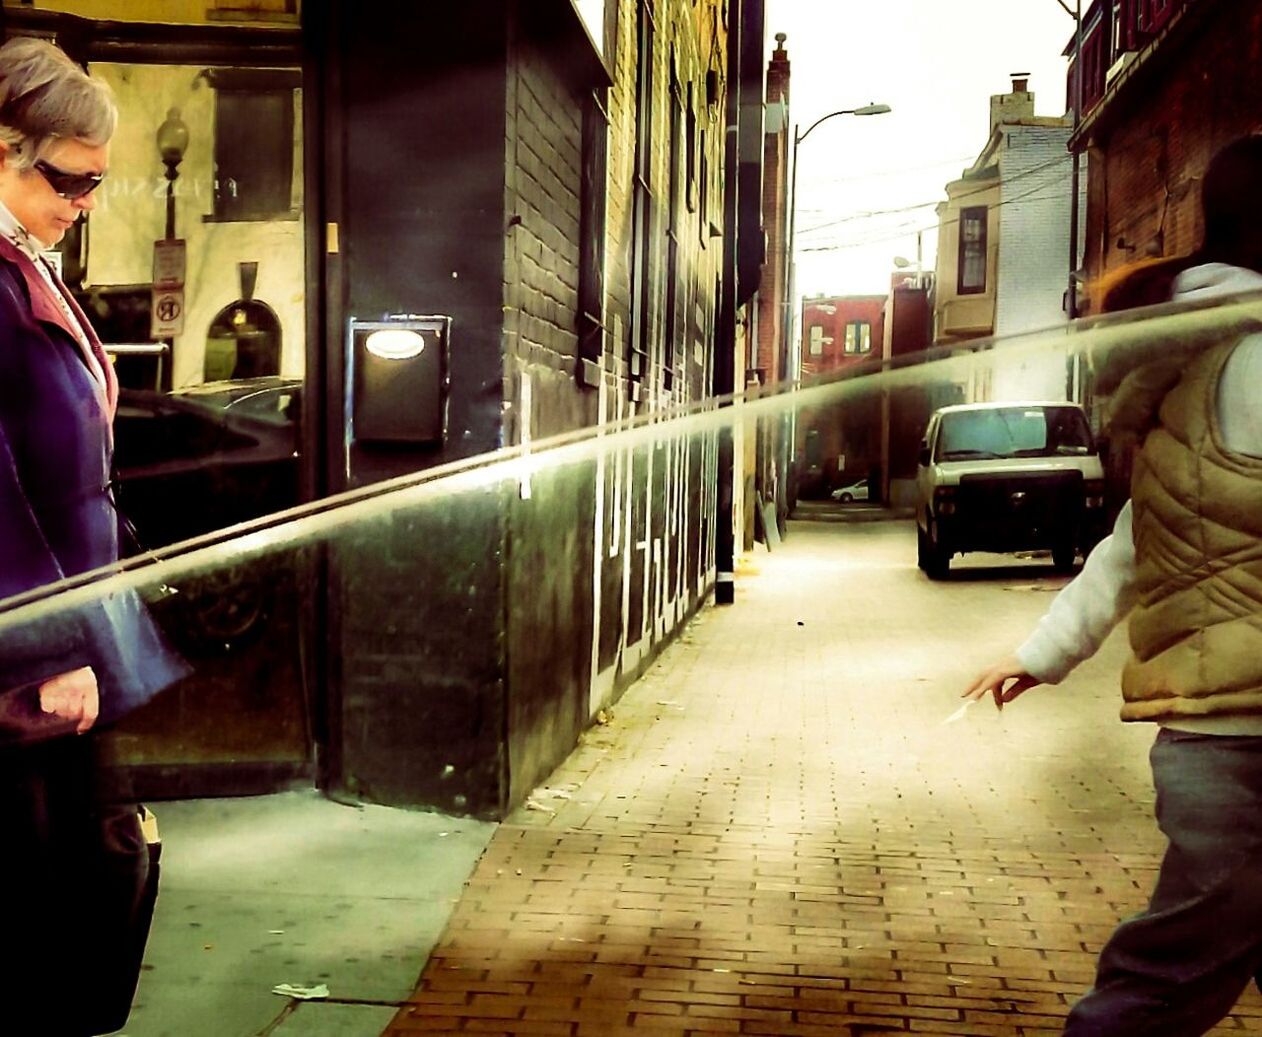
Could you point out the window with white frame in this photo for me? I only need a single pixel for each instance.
(858, 336)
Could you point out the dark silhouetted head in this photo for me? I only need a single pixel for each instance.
(1231, 200)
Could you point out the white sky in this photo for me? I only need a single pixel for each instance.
(935, 63)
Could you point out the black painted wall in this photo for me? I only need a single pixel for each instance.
(460, 651)
(414, 178)
(549, 609)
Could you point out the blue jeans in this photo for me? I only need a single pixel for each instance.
(1177, 968)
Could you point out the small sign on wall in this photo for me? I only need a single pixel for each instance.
(167, 315)
(169, 263)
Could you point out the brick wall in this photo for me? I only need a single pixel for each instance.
(831, 315)
(1164, 127)
(1033, 259)
(655, 503)
(607, 558)
(773, 287)
(543, 161)
(1153, 139)
(1033, 263)
(550, 517)
(838, 443)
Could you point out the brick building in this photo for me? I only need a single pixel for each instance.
(872, 435)
(908, 326)
(766, 359)
(839, 443)
(768, 316)
(840, 330)
(617, 243)
(1165, 85)
(559, 188)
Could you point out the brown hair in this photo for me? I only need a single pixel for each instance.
(1145, 282)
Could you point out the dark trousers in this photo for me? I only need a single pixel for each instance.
(74, 872)
(1177, 968)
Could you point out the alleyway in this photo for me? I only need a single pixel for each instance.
(778, 834)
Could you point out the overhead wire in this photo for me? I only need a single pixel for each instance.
(924, 205)
(891, 172)
(904, 232)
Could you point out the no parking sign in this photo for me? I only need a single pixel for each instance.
(166, 315)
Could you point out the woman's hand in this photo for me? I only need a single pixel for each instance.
(995, 680)
(73, 697)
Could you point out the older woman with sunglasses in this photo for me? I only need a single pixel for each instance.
(73, 862)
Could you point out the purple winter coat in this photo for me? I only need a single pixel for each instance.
(57, 517)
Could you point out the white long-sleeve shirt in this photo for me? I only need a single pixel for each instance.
(1089, 607)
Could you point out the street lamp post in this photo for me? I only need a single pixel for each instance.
(790, 274)
(790, 277)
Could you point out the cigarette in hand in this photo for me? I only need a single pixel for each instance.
(959, 713)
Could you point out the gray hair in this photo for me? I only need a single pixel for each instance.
(46, 97)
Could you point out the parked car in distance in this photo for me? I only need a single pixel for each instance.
(853, 492)
(1007, 477)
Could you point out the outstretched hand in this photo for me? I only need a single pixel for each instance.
(995, 680)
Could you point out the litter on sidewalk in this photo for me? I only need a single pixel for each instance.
(302, 992)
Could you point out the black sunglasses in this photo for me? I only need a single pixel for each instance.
(69, 185)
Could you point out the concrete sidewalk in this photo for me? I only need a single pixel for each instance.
(779, 834)
(294, 888)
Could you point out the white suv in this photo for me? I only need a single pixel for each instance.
(1007, 477)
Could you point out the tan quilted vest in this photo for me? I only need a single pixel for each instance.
(1196, 634)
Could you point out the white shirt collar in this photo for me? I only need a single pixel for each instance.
(12, 229)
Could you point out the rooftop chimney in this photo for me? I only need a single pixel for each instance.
(778, 72)
(1014, 107)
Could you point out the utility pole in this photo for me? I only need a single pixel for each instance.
(789, 346)
(1074, 176)
(725, 351)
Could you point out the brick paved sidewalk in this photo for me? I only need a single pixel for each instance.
(777, 834)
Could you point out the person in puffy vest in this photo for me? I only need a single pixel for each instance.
(1184, 565)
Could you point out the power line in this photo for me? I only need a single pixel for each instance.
(889, 172)
(870, 214)
(905, 232)
(924, 205)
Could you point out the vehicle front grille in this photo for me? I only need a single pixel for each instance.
(1019, 509)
